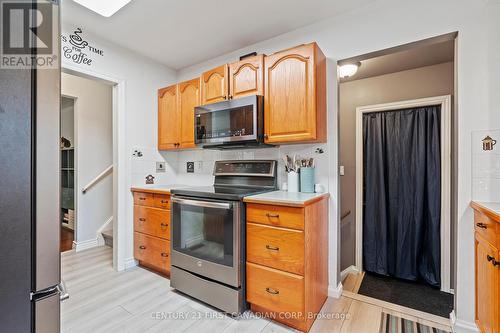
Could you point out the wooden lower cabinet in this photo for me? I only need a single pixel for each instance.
(152, 230)
(287, 261)
(487, 255)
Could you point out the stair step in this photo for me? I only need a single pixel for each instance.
(108, 237)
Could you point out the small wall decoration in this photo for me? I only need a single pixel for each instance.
(488, 143)
(150, 179)
(78, 50)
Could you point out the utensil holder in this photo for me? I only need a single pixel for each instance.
(307, 179)
(293, 181)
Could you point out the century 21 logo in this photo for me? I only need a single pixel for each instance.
(26, 27)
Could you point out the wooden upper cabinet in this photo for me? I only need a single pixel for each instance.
(214, 85)
(189, 98)
(168, 118)
(246, 77)
(295, 95)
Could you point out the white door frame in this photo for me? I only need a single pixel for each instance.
(119, 158)
(445, 102)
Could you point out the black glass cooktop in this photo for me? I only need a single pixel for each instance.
(220, 192)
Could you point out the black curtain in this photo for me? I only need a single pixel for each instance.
(402, 194)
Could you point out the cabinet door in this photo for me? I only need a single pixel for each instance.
(291, 107)
(246, 77)
(189, 98)
(487, 285)
(168, 118)
(214, 85)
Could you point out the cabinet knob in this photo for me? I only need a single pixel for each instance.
(142, 247)
(273, 215)
(272, 248)
(163, 254)
(164, 201)
(142, 198)
(164, 225)
(481, 225)
(142, 219)
(272, 291)
(493, 261)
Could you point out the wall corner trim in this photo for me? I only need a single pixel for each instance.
(129, 263)
(462, 326)
(335, 292)
(85, 245)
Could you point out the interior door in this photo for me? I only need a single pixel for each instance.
(246, 77)
(487, 285)
(168, 118)
(189, 98)
(214, 85)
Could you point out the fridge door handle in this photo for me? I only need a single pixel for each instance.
(63, 292)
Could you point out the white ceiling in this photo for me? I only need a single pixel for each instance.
(180, 33)
(421, 56)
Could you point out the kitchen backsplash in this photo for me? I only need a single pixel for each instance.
(485, 167)
(175, 163)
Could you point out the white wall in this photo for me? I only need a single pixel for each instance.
(134, 120)
(388, 23)
(68, 120)
(93, 153)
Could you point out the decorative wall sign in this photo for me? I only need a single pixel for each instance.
(76, 49)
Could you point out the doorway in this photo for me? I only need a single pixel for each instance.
(87, 155)
(394, 247)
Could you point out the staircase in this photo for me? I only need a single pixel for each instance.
(108, 237)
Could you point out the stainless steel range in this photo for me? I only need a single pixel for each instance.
(208, 233)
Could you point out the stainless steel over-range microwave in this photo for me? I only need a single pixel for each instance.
(232, 124)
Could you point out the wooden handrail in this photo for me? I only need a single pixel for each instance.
(96, 179)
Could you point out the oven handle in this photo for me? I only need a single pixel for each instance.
(198, 203)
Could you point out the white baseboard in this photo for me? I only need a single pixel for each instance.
(85, 245)
(130, 263)
(462, 326)
(351, 269)
(335, 292)
(106, 226)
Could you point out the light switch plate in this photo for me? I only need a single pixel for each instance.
(160, 167)
(341, 170)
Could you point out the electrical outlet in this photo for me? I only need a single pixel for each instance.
(160, 167)
(190, 167)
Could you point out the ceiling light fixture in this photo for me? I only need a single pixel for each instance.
(105, 8)
(348, 70)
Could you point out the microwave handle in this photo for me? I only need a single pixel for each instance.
(198, 203)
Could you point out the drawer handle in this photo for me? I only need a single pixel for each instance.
(164, 225)
(142, 198)
(482, 225)
(164, 201)
(272, 248)
(272, 291)
(163, 254)
(142, 247)
(273, 215)
(142, 219)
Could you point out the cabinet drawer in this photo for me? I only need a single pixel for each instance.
(487, 228)
(143, 199)
(276, 247)
(275, 290)
(152, 221)
(278, 216)
(152, 251)
(162, 201)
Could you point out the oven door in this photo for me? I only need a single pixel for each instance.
(205, 238)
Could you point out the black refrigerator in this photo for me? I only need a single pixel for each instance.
(30, 274)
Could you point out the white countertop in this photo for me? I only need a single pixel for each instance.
(158, 188)
(296, 199)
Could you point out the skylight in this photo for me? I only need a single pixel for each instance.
(105, 8)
